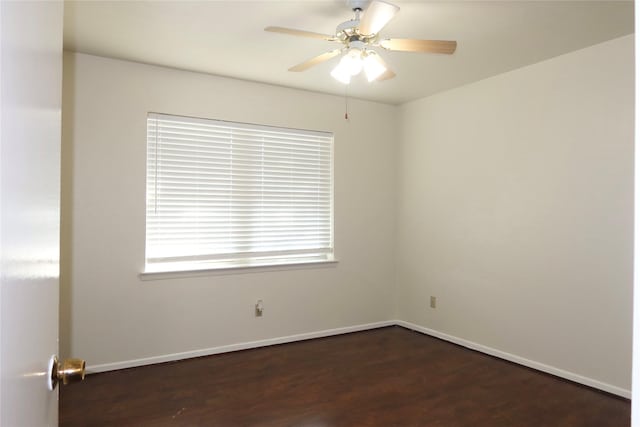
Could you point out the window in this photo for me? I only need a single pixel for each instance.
(223, 194)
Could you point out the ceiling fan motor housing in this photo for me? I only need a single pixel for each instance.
(348, 27)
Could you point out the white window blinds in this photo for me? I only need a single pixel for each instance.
(223, 194)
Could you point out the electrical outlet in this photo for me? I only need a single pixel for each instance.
(259, 308)
(433, 302)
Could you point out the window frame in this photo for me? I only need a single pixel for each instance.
(279, 260)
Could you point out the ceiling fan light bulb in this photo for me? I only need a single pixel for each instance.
(352, 61)
(373, 67)
(341, 74)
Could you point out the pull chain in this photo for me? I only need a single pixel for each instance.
(346, 102)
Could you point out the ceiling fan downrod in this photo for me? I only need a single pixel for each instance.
(357, 5)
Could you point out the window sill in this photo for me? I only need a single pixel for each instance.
(218, 271)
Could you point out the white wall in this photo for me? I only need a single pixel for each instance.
(516, 212)
(110, 316)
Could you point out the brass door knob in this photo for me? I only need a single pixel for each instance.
(68, 371)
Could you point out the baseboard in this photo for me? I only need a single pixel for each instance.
(519, 360)
(357, 328)
(92, 369)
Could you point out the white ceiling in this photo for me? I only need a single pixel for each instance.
(226, 38)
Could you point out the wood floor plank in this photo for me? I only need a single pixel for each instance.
(380, 378)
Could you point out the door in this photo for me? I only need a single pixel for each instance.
(30, 104)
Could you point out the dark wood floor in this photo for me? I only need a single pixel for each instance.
(385, 377)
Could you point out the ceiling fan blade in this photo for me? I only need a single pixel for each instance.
(386, 75)
(412, 45)
(315, 61)
(292, 32)
(377, 15)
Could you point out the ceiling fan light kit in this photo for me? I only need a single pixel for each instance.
(359, 36)
(357, 60)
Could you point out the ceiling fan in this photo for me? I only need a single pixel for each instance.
(359, 36)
